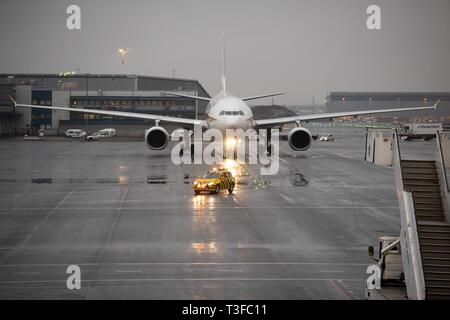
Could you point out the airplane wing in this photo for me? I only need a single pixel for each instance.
(187, 96)
(263, 96)
(209, 99)
(134, 115)
(279, 121)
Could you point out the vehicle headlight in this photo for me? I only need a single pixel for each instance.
(195, 183)
(210, 184)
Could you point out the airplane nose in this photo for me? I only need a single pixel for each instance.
(236, 123)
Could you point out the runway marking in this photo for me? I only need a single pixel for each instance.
(286, 198)
(36, 228)
(25, 272)
(50, 248)
(111, 230)
(346, 287)
(217, 207)
(178, 279)
(282, 160)
(338, 289)
(182, 263)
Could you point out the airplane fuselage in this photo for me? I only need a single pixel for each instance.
(228, 112)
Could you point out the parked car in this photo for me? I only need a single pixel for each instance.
(75, 133)
(108, 132)
(93, 136)
(326, 138)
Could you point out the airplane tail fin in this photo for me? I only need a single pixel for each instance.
(223, 78)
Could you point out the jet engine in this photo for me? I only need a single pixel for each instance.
(299, 139)
(156, 138)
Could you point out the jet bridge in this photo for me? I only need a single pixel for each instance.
(379, 146)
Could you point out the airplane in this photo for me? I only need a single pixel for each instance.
(226, 111)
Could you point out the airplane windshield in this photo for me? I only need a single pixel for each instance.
(231, 113)
(211, 175)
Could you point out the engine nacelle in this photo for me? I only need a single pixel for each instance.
(156, 138)
(299, 139)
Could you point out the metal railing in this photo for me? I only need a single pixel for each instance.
(441, 167)
(441, 159)
(409, 239)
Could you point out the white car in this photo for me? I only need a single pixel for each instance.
(108, 132)
(75, 133)
(94, 136)
(326, 138)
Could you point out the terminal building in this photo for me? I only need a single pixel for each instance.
(131, 93)
(351, 101)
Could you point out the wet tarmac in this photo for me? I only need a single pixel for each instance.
(129, 219)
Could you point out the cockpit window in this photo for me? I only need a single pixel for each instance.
(231, 113)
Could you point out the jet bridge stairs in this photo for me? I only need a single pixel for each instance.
(423, 195)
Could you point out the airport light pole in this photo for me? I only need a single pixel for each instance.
(122, 53)
(87, 102)
(196, 106)
(328, 85)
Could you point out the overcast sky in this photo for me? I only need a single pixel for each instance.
(291, 46)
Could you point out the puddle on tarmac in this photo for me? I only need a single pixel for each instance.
(157, 179)
(41, 180)
(299, 180)
(122, 180)
(252, 182)
(66, 180)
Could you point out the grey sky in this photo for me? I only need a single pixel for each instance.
(271, 45)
